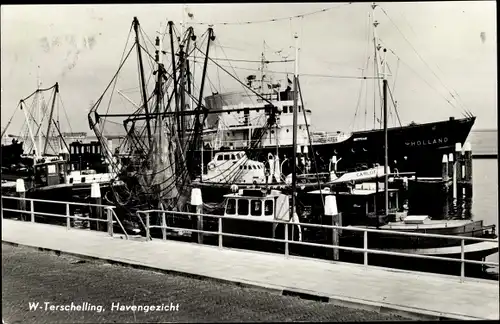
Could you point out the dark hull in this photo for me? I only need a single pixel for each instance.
(414, 148)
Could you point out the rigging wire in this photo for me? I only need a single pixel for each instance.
(395, 107)
(272, 19)
(424, 80)
(426, 64)
(366, 65)
(302, 74)
(393, 101)
(245, 88)
(116, 74)
(116, 79)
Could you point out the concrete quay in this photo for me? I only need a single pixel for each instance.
(410, 294)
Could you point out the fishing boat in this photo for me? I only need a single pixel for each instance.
(46, 172)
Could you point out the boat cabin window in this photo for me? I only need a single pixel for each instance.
(226, 157)
(51, 169)
(233, 157)
(268, 207)
(285, 109)
(231, 206)
(242, 207)
(291, 109)
(219, 158)
(256, 208)
(299, 108)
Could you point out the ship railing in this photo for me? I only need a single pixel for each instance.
(29, 209)
(334, 228)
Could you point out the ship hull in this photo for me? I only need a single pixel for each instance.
(414, 148)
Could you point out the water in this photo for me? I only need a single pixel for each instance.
(485, 180)
(485, 195)
(484, 141)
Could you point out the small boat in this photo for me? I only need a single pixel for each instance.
(234, 168)
(359, 208)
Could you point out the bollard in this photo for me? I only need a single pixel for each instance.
(95, 195)
(332, 211)
(197, 201)
(21, 193)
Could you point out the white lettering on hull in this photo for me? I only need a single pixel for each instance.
(425, 142)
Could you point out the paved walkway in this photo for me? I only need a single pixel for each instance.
(410, 294)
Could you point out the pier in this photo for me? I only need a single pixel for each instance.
(410, 294)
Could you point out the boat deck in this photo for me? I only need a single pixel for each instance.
(412, 294)
(431, 224)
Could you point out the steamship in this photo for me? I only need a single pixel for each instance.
(412, 148)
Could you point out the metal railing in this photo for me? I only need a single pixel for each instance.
(111, 217)
(365, 250)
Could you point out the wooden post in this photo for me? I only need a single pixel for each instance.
(21, 193)
(445, 178)
(95, 195)
(450, 166)
(332, 211)
(197, 201)
(456, 171)
(459, 176)
(467, 183)
(109, 216)
(444, 168)
(468, 169)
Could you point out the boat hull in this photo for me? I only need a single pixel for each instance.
(415, 148)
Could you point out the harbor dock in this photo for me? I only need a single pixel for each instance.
(409, 294)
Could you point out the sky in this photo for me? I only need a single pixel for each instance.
(441, 55)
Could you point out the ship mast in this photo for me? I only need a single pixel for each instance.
(39, 112)
(376, 48)
(295, 98)
(384, 106)
(143, 81)
(262, 61)
(386, 154)
(56, 91)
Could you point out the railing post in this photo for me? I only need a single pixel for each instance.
(220, 232)
(462, 258)
(109, 215)
(365, 248)
(286, 240)
(68, 219)
(147, 227)
(32, 210)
